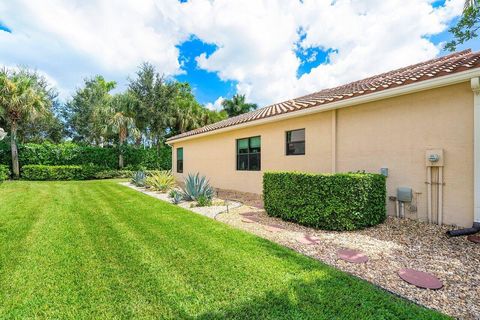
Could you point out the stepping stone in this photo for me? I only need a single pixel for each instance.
(247, 220)
(420, 279)
(278, 226)
(248, 214)
(474, 238)
(307, 239)
(352, 256)
(273, 228)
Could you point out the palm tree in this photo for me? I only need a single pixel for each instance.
(237, 105)
(119, 119)
(23, 97)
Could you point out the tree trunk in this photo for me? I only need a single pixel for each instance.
(121, 140)
(13, 146)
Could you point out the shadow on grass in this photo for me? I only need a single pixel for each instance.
(332, 296)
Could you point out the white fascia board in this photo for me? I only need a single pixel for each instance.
(443, 81)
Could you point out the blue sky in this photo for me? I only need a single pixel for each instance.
(267, 50)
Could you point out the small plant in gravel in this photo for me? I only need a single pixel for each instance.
(197, 186)
(203, 201)
(176, 196)
(161, 181)
(139, 178)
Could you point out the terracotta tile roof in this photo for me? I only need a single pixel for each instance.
(449, 64)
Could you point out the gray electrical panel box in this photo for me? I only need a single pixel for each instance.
(384, 171)
(404, 194)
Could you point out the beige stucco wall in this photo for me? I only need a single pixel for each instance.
(392, 133)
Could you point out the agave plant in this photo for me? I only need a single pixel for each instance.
(197, 186)
(138, 179)
(176, 196)
(161, 181)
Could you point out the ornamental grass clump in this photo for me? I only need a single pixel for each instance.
(162, 181)
(197, 187)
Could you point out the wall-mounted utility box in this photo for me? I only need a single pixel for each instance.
(384, 171)
(434, 158)
(404, 194)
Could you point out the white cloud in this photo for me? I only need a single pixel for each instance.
(256, 40)
(217, 105)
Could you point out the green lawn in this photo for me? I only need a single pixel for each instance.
(96, 249)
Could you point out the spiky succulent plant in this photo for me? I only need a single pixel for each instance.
(138, 178)
(197, 186)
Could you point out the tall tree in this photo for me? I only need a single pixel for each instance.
(24, 95)
(82, 112)
(120, 120)
(154, 96)
(237, 105)
(467, 27)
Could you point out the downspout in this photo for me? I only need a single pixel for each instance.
(475, 85)
(334, 140)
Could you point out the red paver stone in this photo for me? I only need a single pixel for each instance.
(474, 238)
(420, 279)
(248, 214)
(273, 228)
(247, 220)
(307, 239)
(352, 256)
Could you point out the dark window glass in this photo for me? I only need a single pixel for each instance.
(180, 160)
(295, 144)
(248, 154)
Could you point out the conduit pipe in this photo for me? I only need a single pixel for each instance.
(429, 194)
(440, 196)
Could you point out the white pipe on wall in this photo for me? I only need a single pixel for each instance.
(475, 84)
(429, 194)
(440, 196)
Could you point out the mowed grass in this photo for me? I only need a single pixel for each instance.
(97, 250)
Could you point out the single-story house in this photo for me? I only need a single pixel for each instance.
(418, 125)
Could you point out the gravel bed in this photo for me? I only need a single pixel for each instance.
(210, 211)
(393, 245)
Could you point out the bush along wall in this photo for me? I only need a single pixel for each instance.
(74, 154)
(344, 201)
(4, 173)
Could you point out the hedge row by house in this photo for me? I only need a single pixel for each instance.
(73, 154)
(344, 201)
(4, 173)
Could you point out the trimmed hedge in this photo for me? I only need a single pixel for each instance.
(344, 201)
(41, 172)
(87, 172)
(4, 173)
(73, 154)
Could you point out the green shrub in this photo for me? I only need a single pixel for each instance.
(4, 173)
(89, 171)
(69, 153)
(344, 201)
(197, 186)
(203, 201)
(41, 172)
(162, 181)
(113, 174)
